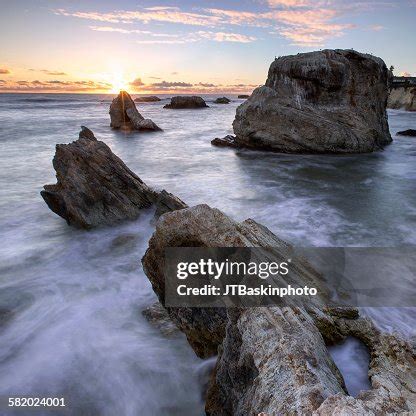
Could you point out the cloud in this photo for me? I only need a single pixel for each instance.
(302, 22)
(376, 28)
(49, 72)
(405, 74)
(118, 30)
(170, 85)
(4, 71)
(226, 37)
(137, 82)
(55, 85)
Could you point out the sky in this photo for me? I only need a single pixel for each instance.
(157, 46)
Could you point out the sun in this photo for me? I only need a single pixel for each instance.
(118, 83)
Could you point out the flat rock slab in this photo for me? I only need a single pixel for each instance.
(409, 132)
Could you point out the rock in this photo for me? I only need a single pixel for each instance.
(274, 360)
(227, 141)
(403, 98)
(157, 315)
(167, 202)
(94, 187)
(330, 101)
(186, 102)
(147, 99)
(222, 100)
(409, 132)
(124, 115)
(202, 226)
(243, 96)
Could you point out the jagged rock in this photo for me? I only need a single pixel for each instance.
(167, 202)
(243, 96)
(330, 101)
(222, 100)
(94, 187)
(147, 99)
(409, 132)
(186, 101)
(124, 115)
(227, 141)
(157, 315)
(202, 226)
(402, 98)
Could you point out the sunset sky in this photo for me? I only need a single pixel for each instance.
(187, 46)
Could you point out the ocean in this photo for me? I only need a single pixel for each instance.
(71, 301)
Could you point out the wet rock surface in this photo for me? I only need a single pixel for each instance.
(409, 132)
(330, 101)
(157, 315)
(186, 101)
(124, 115)
(94, 187)
(222, 100)
(227, 141)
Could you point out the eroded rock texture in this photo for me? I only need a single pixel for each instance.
(403, 98)
(330, 101)
(274, 360)
(94, 186)
(202, 226)
(124, 115)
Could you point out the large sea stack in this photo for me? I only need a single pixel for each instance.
(330, 101)
(94, 186)
(124, 115)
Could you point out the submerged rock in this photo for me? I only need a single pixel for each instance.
(186, 101)
(147, 99)
(330, 101)
(222, 100)
(409, 132)
(124, 115)
(94, 187)
(403, 98)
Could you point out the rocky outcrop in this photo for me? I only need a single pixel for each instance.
(94, 187)
(274, 360)
(227, 141)
(243, 96)
(147, 99)
(402, 98)
(202, 226)
(186, 101)
(330, 101)
(222, 100)
(409, 132)
(124, 115)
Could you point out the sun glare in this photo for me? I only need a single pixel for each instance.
(118, 83)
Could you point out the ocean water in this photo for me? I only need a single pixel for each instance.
(71, 301)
